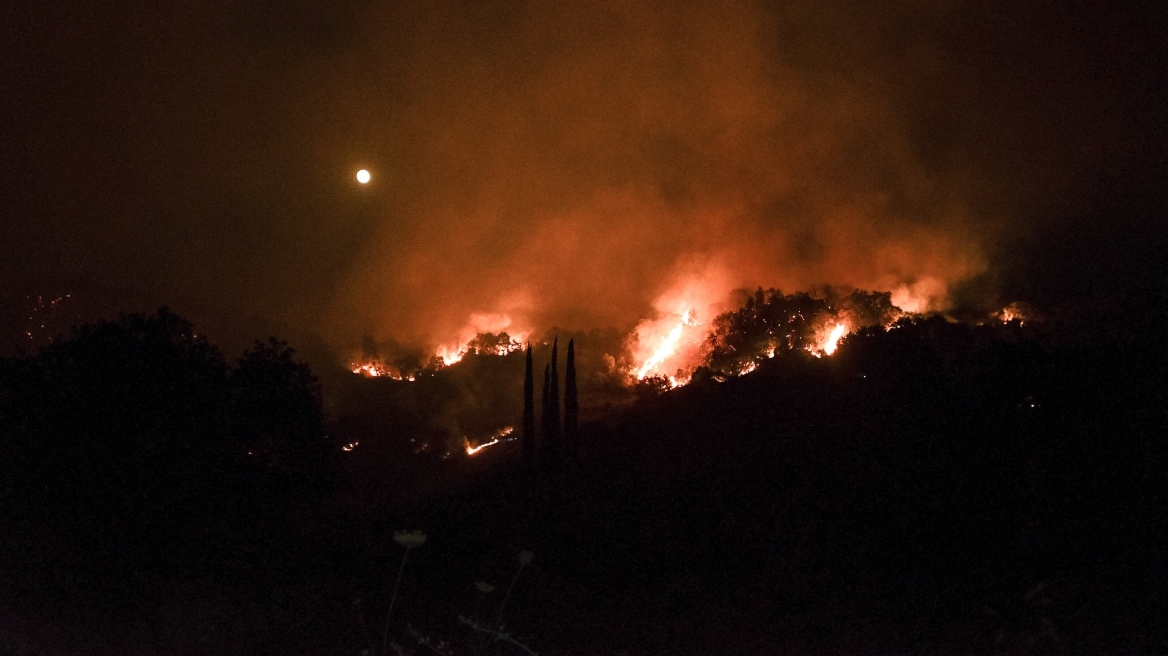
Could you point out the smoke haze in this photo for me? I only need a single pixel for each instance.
(573, 164)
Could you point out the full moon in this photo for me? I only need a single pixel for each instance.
(362, 176)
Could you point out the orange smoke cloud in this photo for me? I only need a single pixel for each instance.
(586, 166)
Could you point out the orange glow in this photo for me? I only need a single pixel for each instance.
(667, 348)
(471, 450)
(833, 339)
(921, 296)
(495, 439)
(373, 369)
(450, 355)
(1015, 312)
(826, 344)
(481, 324)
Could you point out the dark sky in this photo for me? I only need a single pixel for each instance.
(570, 163)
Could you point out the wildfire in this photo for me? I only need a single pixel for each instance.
(451, 355)
(1020, 312)
(370, 369)
(454, 354)
(375, 369)
(920, 296)
(829, 342)
(832, 343)
(668, 346)
(495, 439)
(485, 333)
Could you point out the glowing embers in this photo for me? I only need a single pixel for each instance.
(375, 369)
(499, 436)
(668, 348)
(371, 369)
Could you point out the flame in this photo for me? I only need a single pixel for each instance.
(1019, 312)
(350, 446)
(668, 346)
(374, 369)
(829, 342)
(451, 355)
(454, 354)
(833, 338)
(471, 450)
(483, 323)
(495, 439)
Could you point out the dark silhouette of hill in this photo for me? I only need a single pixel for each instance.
(936, 487)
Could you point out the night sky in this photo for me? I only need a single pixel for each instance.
(569, 163)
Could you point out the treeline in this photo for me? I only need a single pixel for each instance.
(133, 454)
(771, 321)
(558, 433)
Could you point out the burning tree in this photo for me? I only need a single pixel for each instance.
(771, 322)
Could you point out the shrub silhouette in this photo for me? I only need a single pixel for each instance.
(127, 456)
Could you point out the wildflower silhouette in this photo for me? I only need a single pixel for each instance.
(525, 557)
(484, 589)
(409, 540)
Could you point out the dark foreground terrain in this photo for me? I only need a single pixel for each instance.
(934, 488)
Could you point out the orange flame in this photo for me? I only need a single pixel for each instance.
(450, 355)
(374, 369)
(833, 338)
(495, 439)
(668, 346)
(830, 342)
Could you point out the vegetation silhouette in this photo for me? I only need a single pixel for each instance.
(528, 435)
(552, 438)
(571, 401)
(932, 487)
(135, 455)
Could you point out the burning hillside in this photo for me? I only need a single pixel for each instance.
(670, 348)
(466, 398)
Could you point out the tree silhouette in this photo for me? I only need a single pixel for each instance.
(571, 400)
(546, 416)
(554, 407)
(126, 448)
(528, 412)
(276, 413)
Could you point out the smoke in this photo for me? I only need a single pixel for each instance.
(593, 164)
(574, 164)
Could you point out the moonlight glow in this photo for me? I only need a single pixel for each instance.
(363, 176)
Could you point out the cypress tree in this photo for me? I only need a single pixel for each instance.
(571, 401)
(554, 407)
(546, 416)
(528, 412)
